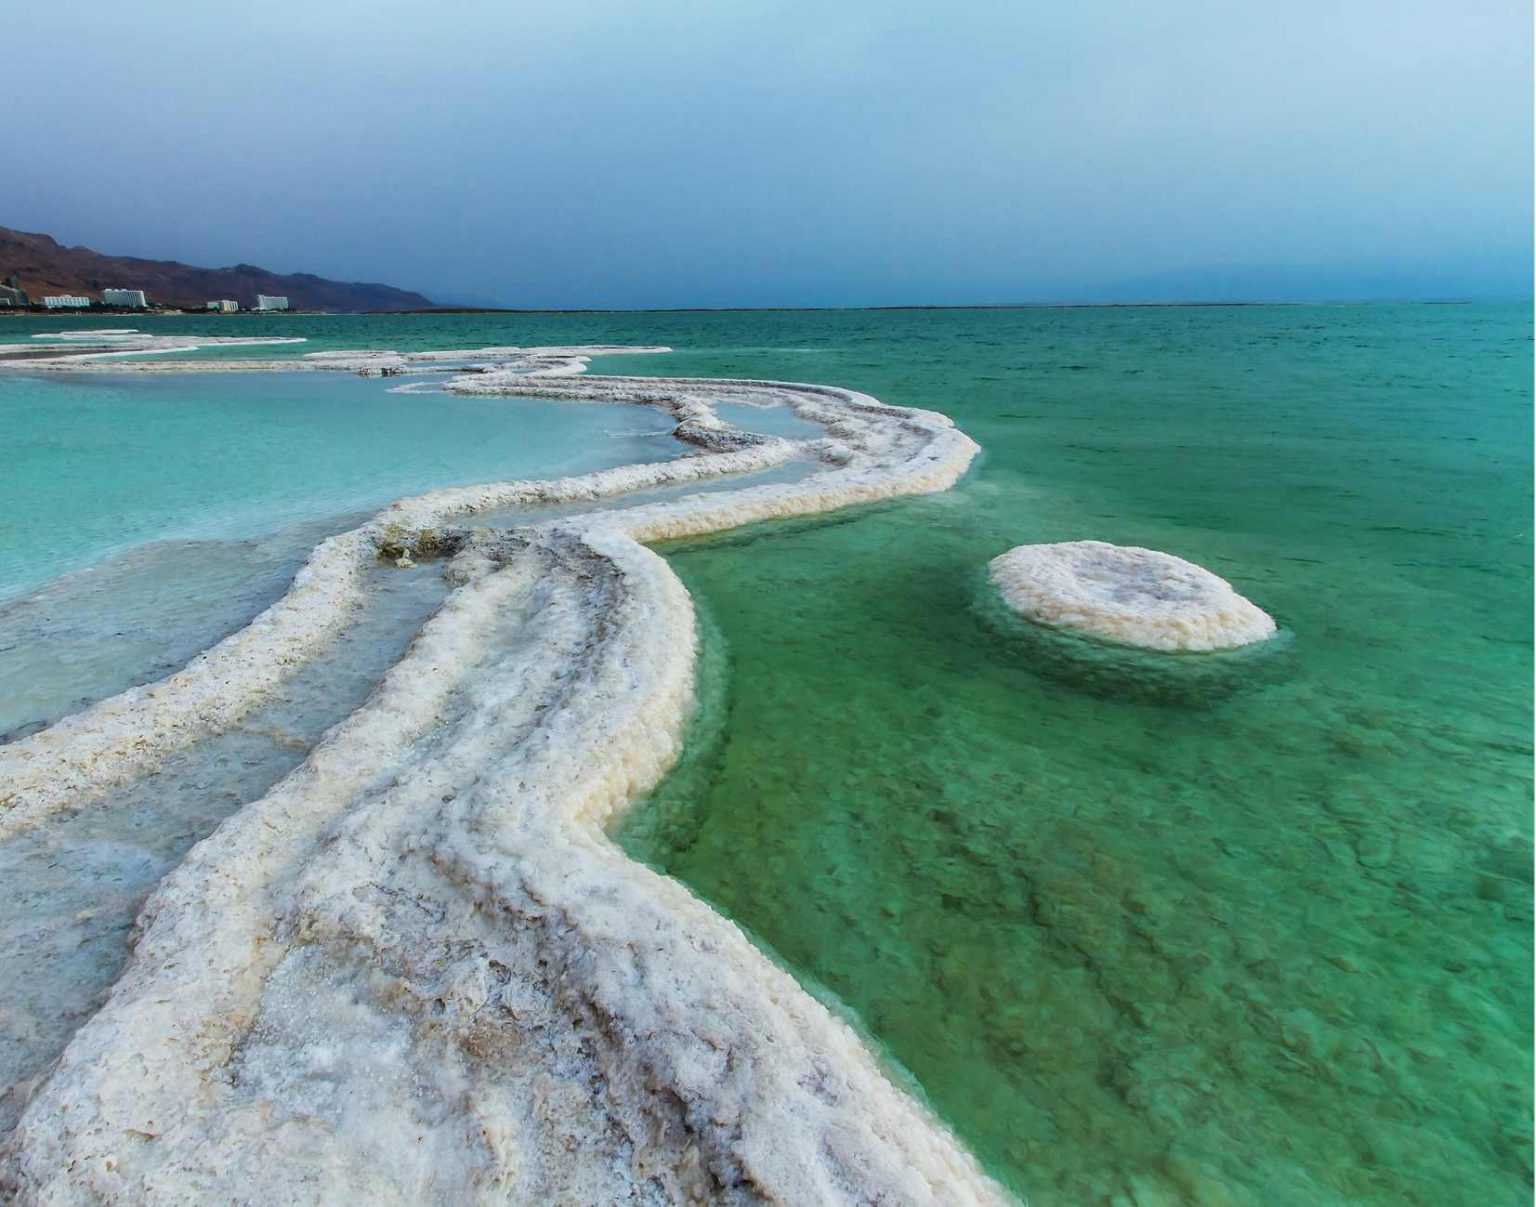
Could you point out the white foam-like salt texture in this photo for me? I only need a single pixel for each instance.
(123, 342)
(418, 971)
(554, 361)
(89, 333)
(1128, 595)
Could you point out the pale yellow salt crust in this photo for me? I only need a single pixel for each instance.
(418, 971)
(1128, 595)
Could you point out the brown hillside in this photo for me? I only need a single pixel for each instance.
(46, 267)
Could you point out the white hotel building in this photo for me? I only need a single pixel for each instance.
(66, 301)
(124, 297)
(263, 302)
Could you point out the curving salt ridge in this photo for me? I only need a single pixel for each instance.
(418, 971)
(61, 352)
(65, 350)
(1127, 595)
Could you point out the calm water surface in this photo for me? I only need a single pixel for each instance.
(1268, 948)
(93, 465)
(1139, 947)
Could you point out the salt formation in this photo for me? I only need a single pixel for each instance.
(418, 971)
(62, 350)
(61, 353)
(1128, 595)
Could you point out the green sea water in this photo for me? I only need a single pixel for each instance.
(1272, 948)
(1138, 947)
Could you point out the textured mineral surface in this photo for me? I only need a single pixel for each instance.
(1127, 595)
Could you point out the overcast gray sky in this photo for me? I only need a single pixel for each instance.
(747, 152)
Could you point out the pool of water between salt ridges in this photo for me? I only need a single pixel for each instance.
(1271, 948)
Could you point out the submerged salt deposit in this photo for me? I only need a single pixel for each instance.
(1128, 595)
(417, 970)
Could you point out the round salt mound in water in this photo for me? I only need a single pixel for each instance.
(1130, 596)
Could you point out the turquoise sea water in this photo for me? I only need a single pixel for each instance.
(177, 507)
(1271, 946)
(96, 465)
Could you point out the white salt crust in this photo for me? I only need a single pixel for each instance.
(1127, 595)
(64, 353)
(418, 971)
(63, 356)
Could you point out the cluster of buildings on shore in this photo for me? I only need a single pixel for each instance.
(263, 302)
(13, 295)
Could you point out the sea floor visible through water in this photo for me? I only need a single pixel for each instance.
(1264, 941)
(144, 517)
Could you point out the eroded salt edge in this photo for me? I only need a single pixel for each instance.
(511, 1009)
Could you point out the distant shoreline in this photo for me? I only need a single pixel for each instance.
(16, 312)
(945, 306)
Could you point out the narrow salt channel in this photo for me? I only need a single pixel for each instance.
(136, 617)
(75, 885)
(512, 517)
(157, 571)
(121, 556)
(455, 821)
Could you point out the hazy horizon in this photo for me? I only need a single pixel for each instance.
(679, 155)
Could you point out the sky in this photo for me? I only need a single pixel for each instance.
(661, 153)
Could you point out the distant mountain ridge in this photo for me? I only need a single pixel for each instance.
(47, 267)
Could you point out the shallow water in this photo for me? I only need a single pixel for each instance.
(1267, 944)
(135, 618)
(168, 552)
(512, 517)
(769, 420)
(75, 885)
(94, 465)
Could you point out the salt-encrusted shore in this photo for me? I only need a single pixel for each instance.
(418, 971)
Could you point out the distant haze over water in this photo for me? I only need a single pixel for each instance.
(675, 153)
